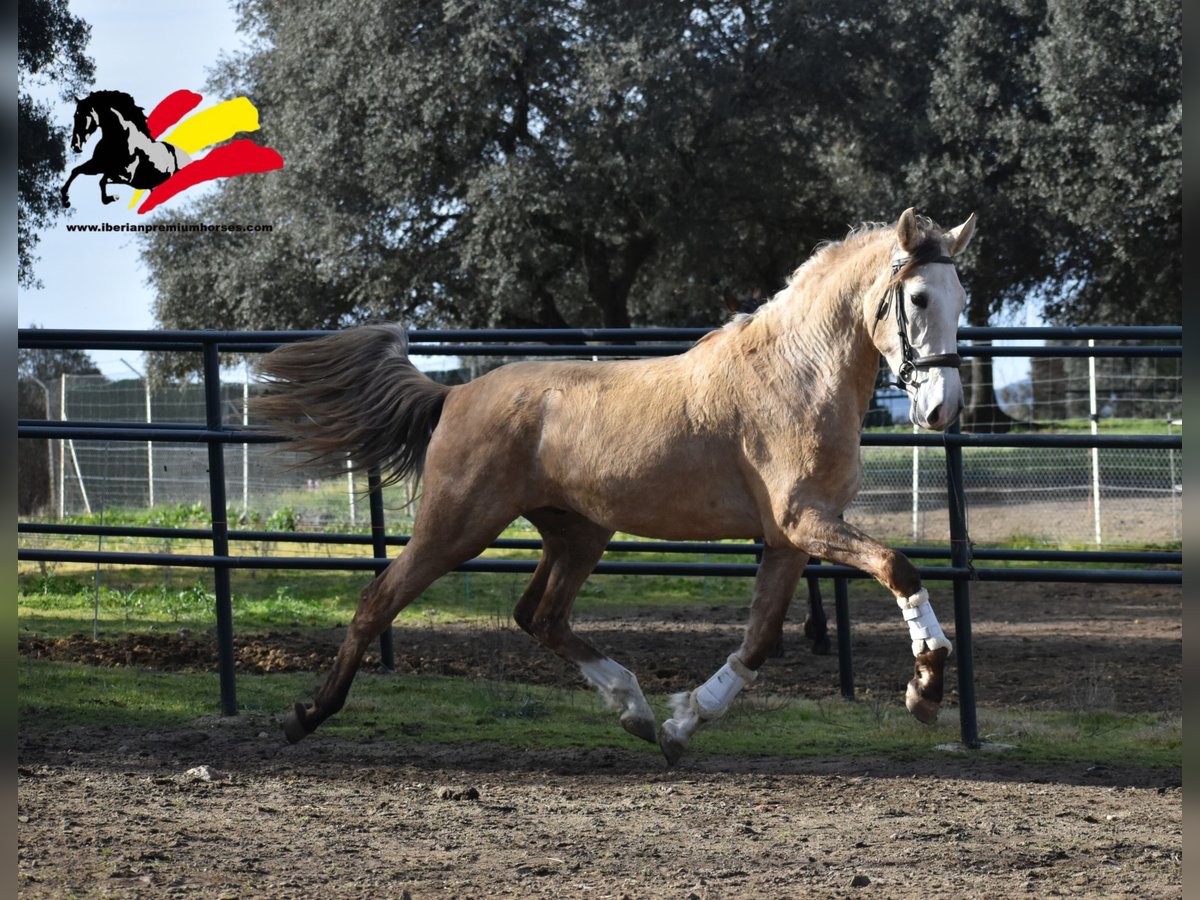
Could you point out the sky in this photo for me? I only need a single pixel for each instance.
(97, 280)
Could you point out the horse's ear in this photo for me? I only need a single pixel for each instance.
(906, 230)
(961, 236)
(731, 301)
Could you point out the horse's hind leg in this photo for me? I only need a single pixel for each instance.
(778, 574)
(442, 539)
(571, 547)
(816, 625)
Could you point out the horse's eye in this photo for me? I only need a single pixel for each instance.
(920, 300)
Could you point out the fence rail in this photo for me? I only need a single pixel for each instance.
(572, 342)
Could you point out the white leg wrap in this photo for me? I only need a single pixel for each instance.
(617, 685)
(714, 696)
(705, 703)
(923, 626)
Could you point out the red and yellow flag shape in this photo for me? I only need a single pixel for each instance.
(204, 129)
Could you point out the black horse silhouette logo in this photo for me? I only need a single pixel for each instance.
(126, 152)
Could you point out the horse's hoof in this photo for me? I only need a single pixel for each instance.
(670, 744)
(293, 725)
(642, 728)
(924, 711)
(107, 200)
(821, 646)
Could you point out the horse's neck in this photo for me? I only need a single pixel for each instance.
(818, 333)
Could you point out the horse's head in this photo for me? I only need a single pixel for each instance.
(915, 325)
(87, 120)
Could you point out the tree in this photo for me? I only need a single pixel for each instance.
(1060, 124)
(553, 163)
(50, 50)
(1110, 160)
(48, 365)
(534, 163)
(983, 96)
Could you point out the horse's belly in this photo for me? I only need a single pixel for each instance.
(668, 502)
(685, 525)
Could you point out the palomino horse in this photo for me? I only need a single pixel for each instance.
(753, 432)
(125, 153)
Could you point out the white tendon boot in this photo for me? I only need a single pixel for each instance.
(705, 703)
(620, 689)
(927, 637)
(923, 626)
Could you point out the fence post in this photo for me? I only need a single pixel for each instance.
(62, 448)
(1174, 494)
(50, 445)
(149, 445)
(960, 557)
(916, 489)
(245, 447)
(387, 652)
(220, 529)
(1094, 417)
(841, 602)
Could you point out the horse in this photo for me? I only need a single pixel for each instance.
(126, 152)
(753, 432)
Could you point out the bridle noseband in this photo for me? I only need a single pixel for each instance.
(911, 364)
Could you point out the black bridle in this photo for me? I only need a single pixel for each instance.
(911, 363)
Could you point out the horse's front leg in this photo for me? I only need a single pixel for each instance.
(91, 167)
(833, 539)
(778, 573)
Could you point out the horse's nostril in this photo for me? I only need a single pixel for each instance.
(935, 416)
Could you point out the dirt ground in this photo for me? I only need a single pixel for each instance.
(225, 808)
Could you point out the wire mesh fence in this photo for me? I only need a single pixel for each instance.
(1041, 496)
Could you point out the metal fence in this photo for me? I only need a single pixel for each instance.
(136, 452)
(1043, 496)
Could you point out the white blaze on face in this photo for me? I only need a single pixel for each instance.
(934, 301)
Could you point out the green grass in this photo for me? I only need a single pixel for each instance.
(1064, 426)
(412, 709)
(62, 599)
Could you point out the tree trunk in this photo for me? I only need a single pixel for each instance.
(609, 284)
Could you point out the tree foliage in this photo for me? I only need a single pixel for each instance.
(47, 365)
(1111, 158)
(559, 163)
(51, 44)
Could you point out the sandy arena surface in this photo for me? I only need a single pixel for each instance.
(225, 808)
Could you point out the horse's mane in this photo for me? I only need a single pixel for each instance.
(122, 103)
(827, 254)
(930, 238)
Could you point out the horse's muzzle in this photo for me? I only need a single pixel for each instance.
(938, 402)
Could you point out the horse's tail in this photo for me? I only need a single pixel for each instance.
(353, 395)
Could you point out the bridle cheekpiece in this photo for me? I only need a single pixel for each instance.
(911, 363)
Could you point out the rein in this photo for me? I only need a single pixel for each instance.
(911, 363)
